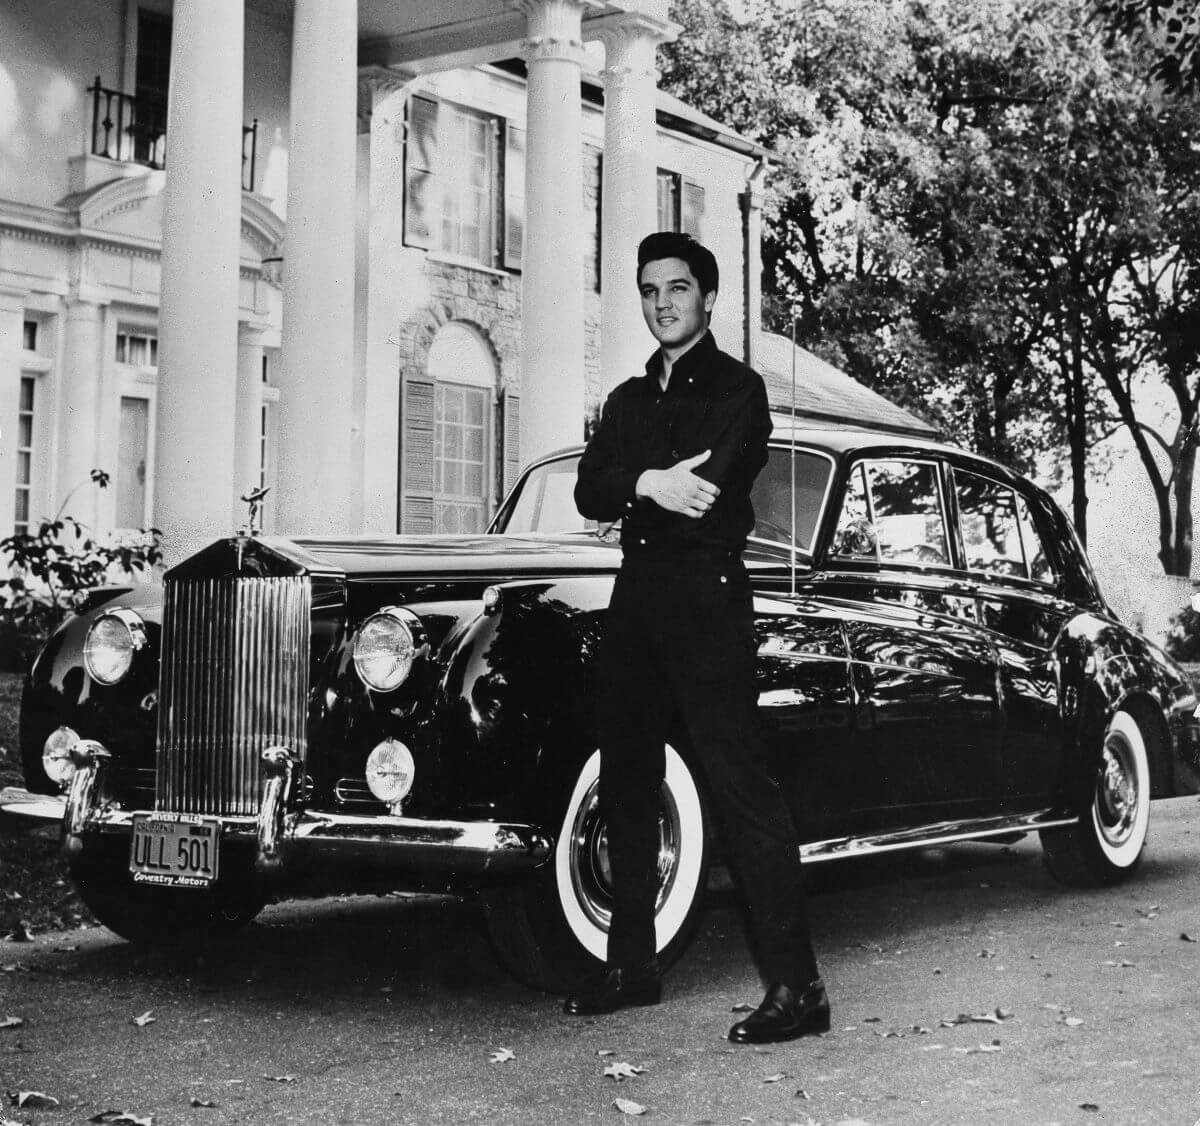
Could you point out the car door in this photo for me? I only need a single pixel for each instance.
(1016, 593)
(923, 674)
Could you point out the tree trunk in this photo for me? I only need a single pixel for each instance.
(1077, 428)
(1181, 548)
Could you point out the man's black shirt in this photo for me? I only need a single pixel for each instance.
(712, 402)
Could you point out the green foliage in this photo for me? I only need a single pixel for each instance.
(53, 569)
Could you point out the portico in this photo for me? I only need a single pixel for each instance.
(342, 55)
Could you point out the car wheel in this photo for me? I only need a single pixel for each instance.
(1106, 846)
(166, 916)
(552, 930)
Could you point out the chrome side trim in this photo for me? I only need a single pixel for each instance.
(929, 836)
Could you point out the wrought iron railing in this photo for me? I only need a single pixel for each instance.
(127, 127)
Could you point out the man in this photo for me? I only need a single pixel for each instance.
(673, 457)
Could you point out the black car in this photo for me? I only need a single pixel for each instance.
(936, 664)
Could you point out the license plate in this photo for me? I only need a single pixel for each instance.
(174, 850)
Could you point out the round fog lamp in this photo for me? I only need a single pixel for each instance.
(56, 756)
(385, 648)
(390, 770)
(110, 645)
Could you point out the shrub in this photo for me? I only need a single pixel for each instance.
(52, 571)
(1183, 636)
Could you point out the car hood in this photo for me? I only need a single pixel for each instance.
(444, 555)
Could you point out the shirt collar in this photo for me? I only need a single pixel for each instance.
(693, 364)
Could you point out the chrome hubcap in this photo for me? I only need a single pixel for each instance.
(1116, 791)
(591, 873)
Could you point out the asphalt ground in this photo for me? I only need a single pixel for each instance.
(968, 987)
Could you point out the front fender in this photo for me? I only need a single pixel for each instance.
(517, 702)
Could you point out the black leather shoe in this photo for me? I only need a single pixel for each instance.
(784, 1016)
(614, 990)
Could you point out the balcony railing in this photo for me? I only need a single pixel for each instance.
(126, 127)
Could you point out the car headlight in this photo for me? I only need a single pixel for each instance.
(390, 771)
(110, 644)
(56, 756)
(386, 647)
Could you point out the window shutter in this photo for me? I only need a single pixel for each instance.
(417, 458)
(421, 204)
(510, 440)
(514, 196)
(692, 209)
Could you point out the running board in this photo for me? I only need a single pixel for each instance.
(939, 833)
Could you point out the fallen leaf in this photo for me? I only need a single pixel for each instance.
(67, 949)
(502, 1055)
(204, 1102)
(145, 1019)
(986, 953)
(604, 1052)
(1148, 912)
(628, 1106)
(742, 1007)
(281, 1078)
(801, 1093)
(122, 1118)
(992, 1047)
(871, 1020)
(1186, 937)
(11, 1022)
(34, 1100)
(1071, 1022)
(621, 1070)
(1088, 1106)
(774, 1078)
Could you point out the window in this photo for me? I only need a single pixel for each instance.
(137, 348)
(464, 183)
(29, 336)
(998, 534)
(132, 449)
(460, 458)
(24, 451)
(772, 491)
(892, 513)
(151, 81)
(546, 502)
(680, 204)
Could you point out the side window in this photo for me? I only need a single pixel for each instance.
(772, 493)
(998, 531)
(892, 513)
(1040, 569)
(987, 514)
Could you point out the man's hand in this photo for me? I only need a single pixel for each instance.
(678, 489)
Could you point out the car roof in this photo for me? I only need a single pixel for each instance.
(844, 440)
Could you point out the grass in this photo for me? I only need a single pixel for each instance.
(35, 890)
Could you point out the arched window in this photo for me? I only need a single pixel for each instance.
(463, 373)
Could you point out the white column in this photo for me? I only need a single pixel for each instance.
(383, 286)
(247, 429)
(79, 412)
(552, 387)
(316, 378)
(629, 200)
(752, 208)
(12, 314)
(198, 319)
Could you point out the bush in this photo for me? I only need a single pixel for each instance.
(52, 571)
(1183, 637)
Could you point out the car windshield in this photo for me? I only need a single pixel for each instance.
(544, 501)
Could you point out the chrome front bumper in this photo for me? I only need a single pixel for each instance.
(298, 840)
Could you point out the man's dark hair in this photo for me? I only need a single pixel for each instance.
(675, 244)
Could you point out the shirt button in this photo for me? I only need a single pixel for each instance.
(642, 542)
(724, 579)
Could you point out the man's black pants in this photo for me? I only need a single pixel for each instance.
(679, 646)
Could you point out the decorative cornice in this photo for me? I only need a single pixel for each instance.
(375, 85)
(554, 29)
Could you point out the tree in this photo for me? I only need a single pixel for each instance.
(1168, 30)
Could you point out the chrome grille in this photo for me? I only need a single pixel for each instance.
(233, 681)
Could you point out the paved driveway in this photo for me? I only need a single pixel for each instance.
(390, 1010)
